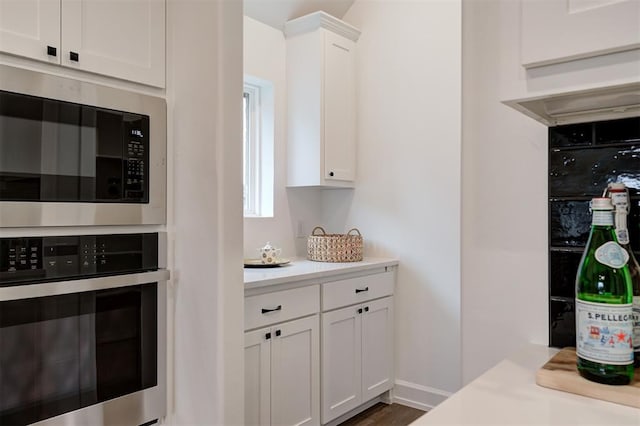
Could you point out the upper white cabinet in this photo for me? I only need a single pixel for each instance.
(122, 39)
(321, 101)
(555, 31)
(29, 27)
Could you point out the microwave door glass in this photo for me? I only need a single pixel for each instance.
(55, 151)
(47, 153)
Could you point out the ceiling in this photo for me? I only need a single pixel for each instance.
(276, 12)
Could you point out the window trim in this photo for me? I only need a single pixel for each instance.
(260, 119)
(251, 167)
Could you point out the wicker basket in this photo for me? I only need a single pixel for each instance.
(323, 247)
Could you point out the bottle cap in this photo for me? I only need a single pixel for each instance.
(601, 204)
(617, 186)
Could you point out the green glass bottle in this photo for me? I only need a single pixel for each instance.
(604, 303)
(619, 195)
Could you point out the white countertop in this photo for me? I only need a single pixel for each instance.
(508, 395)
(300, 269)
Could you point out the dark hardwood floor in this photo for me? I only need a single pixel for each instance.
(385, 415)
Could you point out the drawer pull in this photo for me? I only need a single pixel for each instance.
(360, 290)
(278, 308)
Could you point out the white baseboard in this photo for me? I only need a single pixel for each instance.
(418, 396)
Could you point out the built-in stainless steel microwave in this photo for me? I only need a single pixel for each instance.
(75, 153)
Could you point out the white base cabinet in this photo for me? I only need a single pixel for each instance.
(341, 362)
(282, 369)
(315, 352)
(377, 347)
(357, 356)
(357, 342)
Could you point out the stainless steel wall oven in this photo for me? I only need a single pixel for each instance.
(74, 153)
(82, 330)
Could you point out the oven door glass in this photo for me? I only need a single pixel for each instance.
(62, 353)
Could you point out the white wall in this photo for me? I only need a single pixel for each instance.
(504, 205)
(265, 58)
(204, 92)
(407, 196)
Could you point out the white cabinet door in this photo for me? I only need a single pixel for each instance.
(321, 96)
(257, 377)
(561, 30)
(341, 362)
(339, 108)
(28, 27)
(295, 372)
(377, 347)
(124, 39)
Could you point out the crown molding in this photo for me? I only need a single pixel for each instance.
(320, 19)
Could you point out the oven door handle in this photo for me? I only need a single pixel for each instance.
(55, 288)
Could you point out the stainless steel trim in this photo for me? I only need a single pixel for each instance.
(28, 214)
(136, 408)
(76, 286)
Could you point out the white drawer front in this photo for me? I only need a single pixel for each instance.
(355, 290)
(270, 308)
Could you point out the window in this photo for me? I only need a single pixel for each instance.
(258, 148)
(250, 151)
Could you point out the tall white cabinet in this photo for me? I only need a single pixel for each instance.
(321, 90)
(122, 39)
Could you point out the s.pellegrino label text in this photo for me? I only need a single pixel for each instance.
(604, 332)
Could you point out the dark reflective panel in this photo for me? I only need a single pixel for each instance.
(62, 353)
(66, 152)
(570, 223)
(571, 135)
(625, 130)
(586, 172)
(563, 267)
(562, 324)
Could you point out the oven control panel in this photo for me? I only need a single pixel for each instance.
(21, 255)
(37, 259)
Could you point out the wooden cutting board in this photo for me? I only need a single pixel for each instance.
(561, 373)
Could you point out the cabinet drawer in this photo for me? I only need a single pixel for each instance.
(355, 290)
(270, 308)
